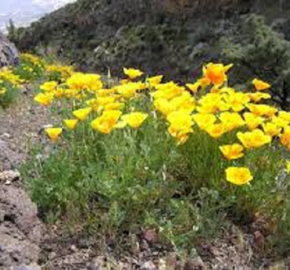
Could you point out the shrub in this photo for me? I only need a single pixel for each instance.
(261, 51)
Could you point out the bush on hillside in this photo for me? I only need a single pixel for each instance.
(262, 52)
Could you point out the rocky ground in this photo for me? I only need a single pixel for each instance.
(26, 243)
(20, 228)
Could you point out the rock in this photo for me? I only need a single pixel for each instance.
(20, 229)
(97, 263)
(171, 260)
(93, 266)
(194, 262)
(9, 176)
(259, 239)
(148, 266)
(52, 255)
(6, 135)
(73, 248)
(28, 267)
(144, 245)
(9, 55)
(9, 159)
(194, 265)
(134, 243)
(162, 264)
(150, 236)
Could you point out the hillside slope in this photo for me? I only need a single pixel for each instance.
(172, 37)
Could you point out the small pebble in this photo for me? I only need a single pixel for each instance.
(148, 266)
(9, 176)
(28, 267)
(73, 248)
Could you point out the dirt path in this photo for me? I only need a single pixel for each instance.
(20, 228)
(20, 128)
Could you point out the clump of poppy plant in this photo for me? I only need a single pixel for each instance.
(139, 143)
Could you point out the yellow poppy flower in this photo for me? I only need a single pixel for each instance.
(135, 119)
(70, 123)
(44, 99)
(216, 130)
(183, 102)
(82, 114)
(280, 122)
(204, 120)
(168, 93)
(102, 126)
(3, 91)
(153, 81)
(124, 81)
(285, 116)
(82, 81)
(129, 90)
(193, 87)
(252, 120)
(212, 103)
(132, 73)
(236, 101)
(59, 93)
(254, 139)
(107, 121)
(204, 82)
(256, 97)
(288, 166)
(53, 133)
(238, 175)
(271, 129)
(164, 86)
(180, 125)
(163, 105)
(114, 106)
(285, 137)
(231, 120)
(234, 151)
(228, 91)
(70, 93)
(105, 92)
(216, 73)
(262, 110)
(105, 100)
(260, 85)
(180, 119)
(49, 86)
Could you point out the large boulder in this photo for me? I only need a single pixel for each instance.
(20, 229)
(9, 55)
